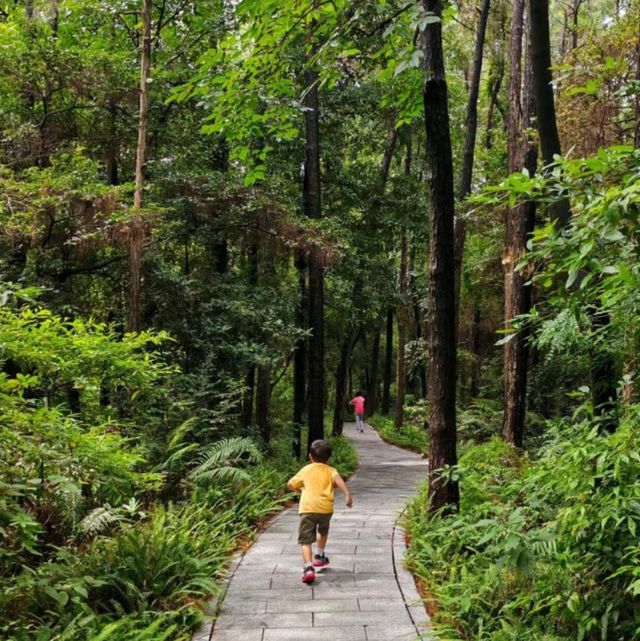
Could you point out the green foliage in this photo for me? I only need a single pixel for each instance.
(542, 549)
(410, 436)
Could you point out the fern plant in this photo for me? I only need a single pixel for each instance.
(226, 461)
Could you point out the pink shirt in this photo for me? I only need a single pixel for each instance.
(358, 403)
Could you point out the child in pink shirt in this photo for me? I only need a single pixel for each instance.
(358, 404)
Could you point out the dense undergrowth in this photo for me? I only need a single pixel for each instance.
(114, 524)
(544, 548)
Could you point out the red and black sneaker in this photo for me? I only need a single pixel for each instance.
(309, 574)
(320, 561)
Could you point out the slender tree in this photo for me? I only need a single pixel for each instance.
(313, 209)
(519, 221)
(441, 391)
(136, 229)
(388, 364)
(402, 317)
(543, 94)
(300, 356)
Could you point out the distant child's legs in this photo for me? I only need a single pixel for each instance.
(359, 421)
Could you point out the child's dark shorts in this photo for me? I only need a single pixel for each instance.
(310, 523)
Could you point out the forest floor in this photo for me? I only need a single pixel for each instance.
(366, 594)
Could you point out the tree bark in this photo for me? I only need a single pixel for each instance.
(247, 399)
(263, 402)
(341, 385)
(518, 224)
(385, 167)
(388, 365)
(402, 335)
(472, 103)
(443, 492)
(543, 95)
(313, 209)
(372, 392)
(300, 357)
(494, 92)
(136, 231)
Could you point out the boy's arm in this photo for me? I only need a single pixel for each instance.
(295, 483)
(342, 486)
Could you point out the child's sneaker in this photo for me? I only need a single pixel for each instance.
(320, 561)
(308, 575)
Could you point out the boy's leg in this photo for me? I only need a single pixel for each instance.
(307, 554)
(306, 536)
(321, 559)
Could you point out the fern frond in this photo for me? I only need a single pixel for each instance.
(100, 519)
(222, 461)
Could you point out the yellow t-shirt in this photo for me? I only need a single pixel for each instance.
(316, 482)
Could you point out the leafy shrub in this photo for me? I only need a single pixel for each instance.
(540, 550)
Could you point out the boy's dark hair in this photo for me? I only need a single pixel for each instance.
(320, 451)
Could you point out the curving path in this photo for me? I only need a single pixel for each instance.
(366, 594)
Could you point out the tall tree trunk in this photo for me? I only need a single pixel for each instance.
(574, 30)
(472, 103)
(250, 378)
(604, 374)
(475, 349)
(469, 149)
(372, 392)
(515, 353)
(300, 357)
(385, 166)
(543, 94)
(443, 493)
(136, 231)
(313, 209)
(112, 145)
(494, 91)
(341, 385)
(263, 402)
(247, 398)
(402, 315)
(388, 365)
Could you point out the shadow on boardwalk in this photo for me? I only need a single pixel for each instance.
(366, 594)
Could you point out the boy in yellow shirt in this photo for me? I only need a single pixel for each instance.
(316, 481)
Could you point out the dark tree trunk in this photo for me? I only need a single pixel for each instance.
(402, 317)
(136, 230)
(472, 103)
(341, 385)
(443, 493)
(372, 392)
(112, 146)
(475, 349)
(263, 401)
(604, 373)
(388, 365)
(543, 95)
(469, 149)
(574, 31)
(300, 358)
(495, 84)
(385, 166)
(519, 224)
(312, 204)
(247, 399)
